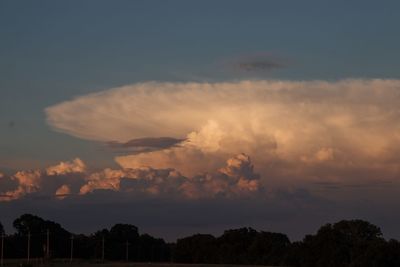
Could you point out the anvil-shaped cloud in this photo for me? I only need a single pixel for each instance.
(318, 148)
(291, 129)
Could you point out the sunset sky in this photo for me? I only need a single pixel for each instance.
(197, 116)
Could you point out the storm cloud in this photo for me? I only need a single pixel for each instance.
(285, 148)
(294, 131)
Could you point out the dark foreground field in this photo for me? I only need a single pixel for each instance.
(67, 263)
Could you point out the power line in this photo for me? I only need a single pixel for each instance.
(127, 250)
(102, 254)
(2, 249)
(29, 247)
(48, 244)
(72, 248)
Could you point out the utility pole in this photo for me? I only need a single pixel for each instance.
(2, 249)
(102, 254)
(127, 250)
(48, 245)
(72, 248)
(29, 246)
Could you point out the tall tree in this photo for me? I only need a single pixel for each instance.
(39, 231)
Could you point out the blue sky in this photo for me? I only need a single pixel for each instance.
(56, 51)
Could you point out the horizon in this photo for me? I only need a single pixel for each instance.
(50, 225)
(95, 230)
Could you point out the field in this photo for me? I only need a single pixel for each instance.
(67, 263)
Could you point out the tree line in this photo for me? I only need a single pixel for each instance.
(345, 243)
(49, 239)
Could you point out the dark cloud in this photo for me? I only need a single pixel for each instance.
(148, 144)
(260, 62)
(259, 65)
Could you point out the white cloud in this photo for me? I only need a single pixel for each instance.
(290, 128)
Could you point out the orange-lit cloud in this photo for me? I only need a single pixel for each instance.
(63, 191)
(28, 182)
(293, 130)
(39, 181)
(75, 166)
(237, 178)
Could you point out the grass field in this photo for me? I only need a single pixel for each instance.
(82, 263)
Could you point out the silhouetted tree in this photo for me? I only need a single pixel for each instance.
(196, 249)
(123, 237)
(84, 247)
(269, 248)
(37, 228)
(234, 245)
(340, 244)
(119, 236)
(97, 241)
(353, 243)
(1, 228)
(237, 246)
(153, 249)
(123, 232)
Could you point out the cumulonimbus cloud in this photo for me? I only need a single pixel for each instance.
(293, 131)
(289, 128)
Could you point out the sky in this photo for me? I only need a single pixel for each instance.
(186, 117)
